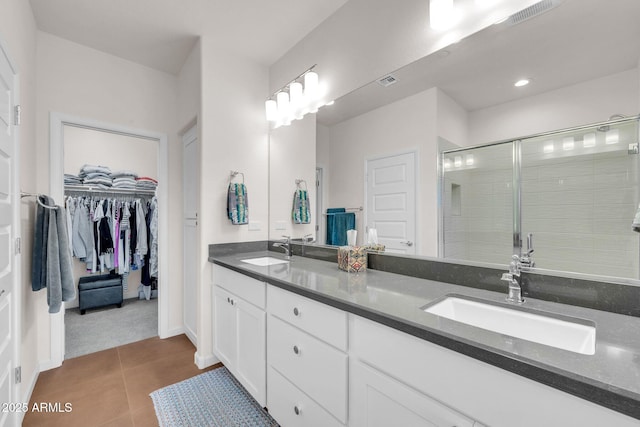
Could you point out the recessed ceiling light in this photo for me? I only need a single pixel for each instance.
(521, 82)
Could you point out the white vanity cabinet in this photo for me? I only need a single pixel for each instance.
(416, 381)
(239, 328)
(307, 361)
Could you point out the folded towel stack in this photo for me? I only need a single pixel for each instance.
(146, 183)
(124, 180)
(237, 204)
(96, 176)
(301, 212)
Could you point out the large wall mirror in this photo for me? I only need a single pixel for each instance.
(377, 149)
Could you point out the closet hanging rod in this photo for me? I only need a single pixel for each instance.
(37, 196)
(104, 191)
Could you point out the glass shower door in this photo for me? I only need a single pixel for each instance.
(579, 195)
(477, 204)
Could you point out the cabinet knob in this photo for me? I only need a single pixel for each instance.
(296, 350)
(296, 312)
(233, 302)
(228, 300)
(296, 410)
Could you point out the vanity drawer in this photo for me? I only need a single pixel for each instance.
(313, 366)
(320, 320)
(247, 288)
(291, 407)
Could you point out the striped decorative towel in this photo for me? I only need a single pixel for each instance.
(237, 204)
(301, 213)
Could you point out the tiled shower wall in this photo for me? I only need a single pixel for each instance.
(578, 207)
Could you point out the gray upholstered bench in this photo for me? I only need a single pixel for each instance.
(99, 291)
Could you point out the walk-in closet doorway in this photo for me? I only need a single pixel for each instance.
(73, 126)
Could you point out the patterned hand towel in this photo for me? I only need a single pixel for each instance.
(237, 204)
(301, 212)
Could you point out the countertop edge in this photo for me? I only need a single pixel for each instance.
(617, 401)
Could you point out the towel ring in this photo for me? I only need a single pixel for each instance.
(37, 196)
(233, 174)
(301, 181)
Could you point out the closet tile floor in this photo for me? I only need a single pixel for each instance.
(111, 387)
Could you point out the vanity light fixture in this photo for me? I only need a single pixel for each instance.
(522, 82)
(447, 163)
(293, 100)
(469, 160)
(612, 136)
(548, 147)
(457, 161)
(589, 140)
(568, 143)
(442, 14)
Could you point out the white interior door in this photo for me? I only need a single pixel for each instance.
(190, 230)
(8, 232)
(391, 201)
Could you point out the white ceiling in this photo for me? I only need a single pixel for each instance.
(580, 40)
(161, 33)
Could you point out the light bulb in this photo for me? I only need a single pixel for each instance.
(457, 161)
(612, 136)
(283, 104)
(447, 163)
(568, 143)
(548, 147)
(442, 14)
(589, 140)
(271, 109)
(311, 86)
(296, 100)
(469, 160)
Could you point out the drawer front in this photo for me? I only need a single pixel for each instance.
(315, 367)
(291, 407)
(320, 320)
(245, 287)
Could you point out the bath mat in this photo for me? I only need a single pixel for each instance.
(214, 398)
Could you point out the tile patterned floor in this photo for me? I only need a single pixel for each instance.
(111, 387)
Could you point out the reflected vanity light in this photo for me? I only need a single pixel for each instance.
(612, 136)
(442, 14)
(589, 140)
(568, 143)
(447, 163)
(293, 101)
(469, 160)
(457, 161)
(548, 147)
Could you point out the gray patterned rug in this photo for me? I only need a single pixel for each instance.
(214, 398)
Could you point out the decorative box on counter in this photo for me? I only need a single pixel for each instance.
(352, 258)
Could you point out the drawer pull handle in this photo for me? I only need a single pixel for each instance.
(296, 312)
(296, 349)
(296, 410)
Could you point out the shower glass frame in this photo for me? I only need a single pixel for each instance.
(517, 145)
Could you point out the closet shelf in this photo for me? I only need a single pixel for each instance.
(85, 189)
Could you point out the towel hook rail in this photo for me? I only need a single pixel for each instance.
(37, 196)
(233, 174)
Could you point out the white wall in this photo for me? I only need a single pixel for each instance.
(189, 89)
(291, 156)
(87, 146)
(323, 160)
(580, 104)
(83, 82)
(387, 35)
(18, 35)
(234, 136)
(405, 125)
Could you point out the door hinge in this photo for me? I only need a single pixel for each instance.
(18, 371)
(17, 115)
(18, 246)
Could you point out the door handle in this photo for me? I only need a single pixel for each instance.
(408, 243)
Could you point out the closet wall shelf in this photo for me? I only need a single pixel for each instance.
(85, 189)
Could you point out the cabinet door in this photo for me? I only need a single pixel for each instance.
(224, 327)
(377, 400)
(251, 362)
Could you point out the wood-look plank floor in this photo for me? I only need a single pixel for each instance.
(111, 387)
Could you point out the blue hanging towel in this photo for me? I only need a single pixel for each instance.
(301, 212)
(338, 222)
(237, 204)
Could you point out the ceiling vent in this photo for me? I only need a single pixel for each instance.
(387, 80)
(533, 11)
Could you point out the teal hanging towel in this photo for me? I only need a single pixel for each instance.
(301, 213)
(237, 204)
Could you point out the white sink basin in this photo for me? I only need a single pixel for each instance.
(568, 335)
(264, 261)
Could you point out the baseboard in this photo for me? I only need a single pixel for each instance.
(205, 361)
(26, 397)
(173, 332)
(192, 337)
(47, 365)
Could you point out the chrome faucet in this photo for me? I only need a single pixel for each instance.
(286, 245)
(513, 277)
(307, 238)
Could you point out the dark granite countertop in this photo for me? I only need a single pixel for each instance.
(610, 377)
